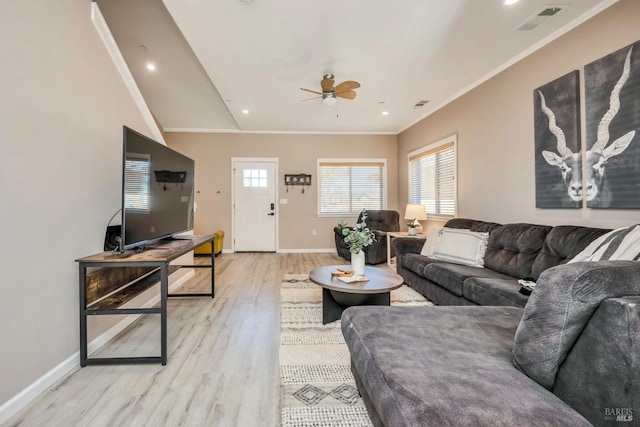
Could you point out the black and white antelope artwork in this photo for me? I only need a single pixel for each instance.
(558, 159)
(612, 101)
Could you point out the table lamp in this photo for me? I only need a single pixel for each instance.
(413, 214)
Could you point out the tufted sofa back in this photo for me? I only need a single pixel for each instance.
(383, 220)
(512, 249)
(563, 243)
(526, 250)
(472, 224)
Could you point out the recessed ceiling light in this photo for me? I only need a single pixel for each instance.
(510, 2)
(151, 66)
(245, 111)
(385, 113)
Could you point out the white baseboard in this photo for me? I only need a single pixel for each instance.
(294, 251)
(307, 251)
(22, 399)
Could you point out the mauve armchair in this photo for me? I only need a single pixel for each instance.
(380, 222)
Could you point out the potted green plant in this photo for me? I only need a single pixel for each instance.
(411, 227)
(356, 238)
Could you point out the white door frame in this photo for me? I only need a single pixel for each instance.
(233, 196)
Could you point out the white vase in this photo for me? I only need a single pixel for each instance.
(357, 263)
(412, 231)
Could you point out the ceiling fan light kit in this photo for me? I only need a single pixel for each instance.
(329, 99)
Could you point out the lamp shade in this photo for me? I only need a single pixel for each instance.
(417, 212)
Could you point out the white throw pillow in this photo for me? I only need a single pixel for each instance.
(461, 246)
(430, 244)
(620, 244)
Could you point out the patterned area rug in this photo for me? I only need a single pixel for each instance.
(317, 387)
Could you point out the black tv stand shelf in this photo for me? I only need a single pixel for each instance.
(150, 266)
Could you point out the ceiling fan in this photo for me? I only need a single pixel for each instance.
(331, 93)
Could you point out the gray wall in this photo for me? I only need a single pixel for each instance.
(494, 123)
(62, 108)
(297, 154)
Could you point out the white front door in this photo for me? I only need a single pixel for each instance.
(254, 210)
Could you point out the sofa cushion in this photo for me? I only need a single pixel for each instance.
(562, 244)
(430, 243)
(461, 246)
(451, 276)
(415, 262)
(494, 292)
(472, 224)
(513, 248)
(562, 302)
(446, 366)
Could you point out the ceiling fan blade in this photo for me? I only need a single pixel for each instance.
(312, 91)
(327, 84)
(309, 99)
(348, 85)
(348, 94)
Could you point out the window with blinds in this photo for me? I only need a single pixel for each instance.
(137, 169)
(432, 177)
(346, 186)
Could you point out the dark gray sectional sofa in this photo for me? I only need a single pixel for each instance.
(514, 251)
(570, 357)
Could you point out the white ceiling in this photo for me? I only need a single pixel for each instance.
(228, 55)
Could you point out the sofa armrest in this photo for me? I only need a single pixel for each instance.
(563, 301)
(405, 245)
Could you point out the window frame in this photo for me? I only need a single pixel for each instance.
(434, 147)
(354, 161)
(260, 180)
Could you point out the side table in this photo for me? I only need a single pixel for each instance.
(391, 235)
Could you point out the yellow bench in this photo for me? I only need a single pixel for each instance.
(217, 245)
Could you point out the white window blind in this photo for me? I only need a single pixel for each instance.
(136, 182)
(346, 187)
(432, 178)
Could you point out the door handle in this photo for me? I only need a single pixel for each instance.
(271, 214)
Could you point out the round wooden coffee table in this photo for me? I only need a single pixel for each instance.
(338, 295)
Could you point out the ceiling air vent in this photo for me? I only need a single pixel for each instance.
(420, 104)
(541, 17)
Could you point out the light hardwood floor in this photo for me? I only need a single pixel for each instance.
(223, 357)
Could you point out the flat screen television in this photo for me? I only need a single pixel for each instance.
(157, 191)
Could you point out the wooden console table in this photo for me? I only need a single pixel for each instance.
(156, 257)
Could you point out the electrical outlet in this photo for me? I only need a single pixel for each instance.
(314, 233)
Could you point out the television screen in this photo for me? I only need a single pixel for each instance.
(157, 191)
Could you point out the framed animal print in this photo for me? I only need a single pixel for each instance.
(558, 159)
(612, 113)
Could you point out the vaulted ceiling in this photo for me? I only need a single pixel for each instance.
(215, 59)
